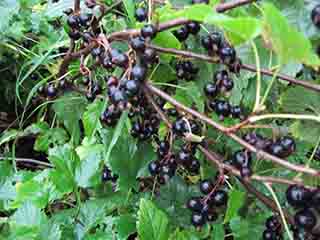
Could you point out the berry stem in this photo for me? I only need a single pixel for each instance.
(222, 7)
(257, 106)
(283, 218)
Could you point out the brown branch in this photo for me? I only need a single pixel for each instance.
(248, 67)
(231, 5)
(251, 148)
(76, 6)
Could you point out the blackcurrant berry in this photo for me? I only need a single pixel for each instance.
(84, 19)
(245, 172)
(242, 159)
(315, 16)
(194, 166)
(206, 186)
(141, 14)
(298, 196)
(149, 31)
(180, 126)
(193, 27)
(96, 52)
(184, 158)
(119, 59)
(222, 108)
(278, 150)
(226, 84)
(163, 148)
(154, 167)
(207, 43)
(139, 73)
(236, 112)
(305, 219)
(197, 219)
(137, 44)
(87, 37)
(118, 96)
(182, 33)
(218, 198)
(149, 56)
(220, 76)
(112, 81)
(216, 40)
(288, 144)
(73, 21)
(106, 175)
(51, 90)
(132, 87)
(227, 54)
(195, 204)
(273, 224)
(269, 235)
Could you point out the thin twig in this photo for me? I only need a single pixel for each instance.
(28, 160)
(248, 67)
(233, 4)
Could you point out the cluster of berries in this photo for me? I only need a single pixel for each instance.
(307, 203)
(204, 208)
(165, 167)
(186, 70)
(282, 147)
(273, 229)
(216, 45)
(184, 31)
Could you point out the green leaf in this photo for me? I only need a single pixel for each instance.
(308, 101)
(183, 235)
(167, 40)
(125, 225)
(152, 223)
(50, 231)
(7, 190)
(28, 215)
(285, 40)
(50, 137)
(90, 158)
(190, 93)
(306, 131)
(238, 30)
(91, 118)
(9, 135)
(116, 134)
(218, 232)
(129, 5)
(65, 161)
(69, 109)
(235, 202)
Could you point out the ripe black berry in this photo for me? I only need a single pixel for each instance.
(211, 90)
(117, 96)
(236, 112)
(149, 56)
(278, 150)
(273, 224)
(219, 198)
(206, 186)
(197, 219)
(194, 166)
(193, 27)
(220, 76)
(119, 59)
(138, 73)
(298, 196)
(222, 108)
(154, 168)
(315, 16)
(74, 35)
(51, 90)
(227, 54)
(163, 148)
(206, 42)
(87, 37)
(195, 204)
(242, 159)
(149, 31)
(305, 219)
(73, 21)
(132, 87)
(288, 144)
(141, 14)
(180, 126)
(184, 158)
(84, 19)
(269, 235)
(182, 33)
(106, 175)
(137, 44)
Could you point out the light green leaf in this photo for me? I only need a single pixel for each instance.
(90, 157)
(125, 225)
(91, 118)
(285, 40)
(9, 135)
(152, 223)
(235, 202)
(218, 232)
